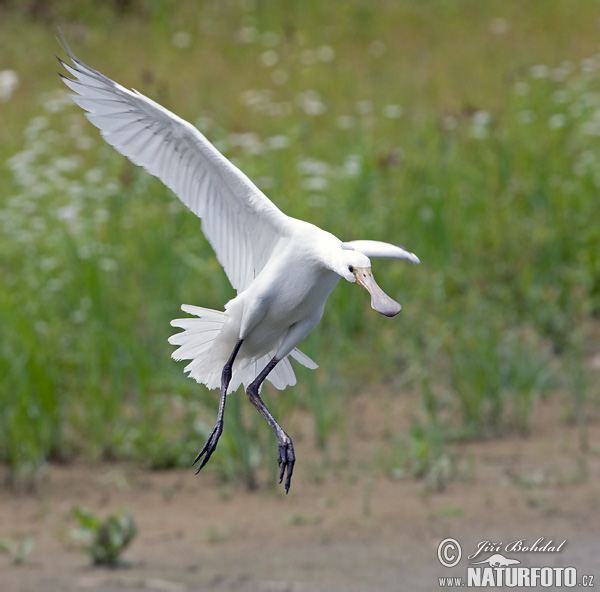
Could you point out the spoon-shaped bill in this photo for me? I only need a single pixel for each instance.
(380, 301)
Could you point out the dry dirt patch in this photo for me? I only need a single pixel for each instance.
(355, 530)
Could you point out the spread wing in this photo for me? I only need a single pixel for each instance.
(240, 222)
(372, 248)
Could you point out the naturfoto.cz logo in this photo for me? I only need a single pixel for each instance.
(498, 570)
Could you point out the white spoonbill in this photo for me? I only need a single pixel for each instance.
(283, 269)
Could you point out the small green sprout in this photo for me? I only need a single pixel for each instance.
(17, 551)
(104, 540)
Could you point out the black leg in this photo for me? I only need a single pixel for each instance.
(211, 443)
(286, 458)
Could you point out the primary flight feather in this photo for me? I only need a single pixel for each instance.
(283, 269)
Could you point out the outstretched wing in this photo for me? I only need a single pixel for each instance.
(241, 223)
(372, 248)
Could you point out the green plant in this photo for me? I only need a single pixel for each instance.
(17, 550)
(104, 540)
(484, 163)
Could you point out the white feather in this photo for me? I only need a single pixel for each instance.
(282, 269)
(372, 248)
(234, 212)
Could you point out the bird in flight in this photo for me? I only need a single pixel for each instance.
(283, 269)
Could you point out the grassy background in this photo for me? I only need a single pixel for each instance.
(467, 131)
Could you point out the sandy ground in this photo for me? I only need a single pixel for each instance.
(355, 530)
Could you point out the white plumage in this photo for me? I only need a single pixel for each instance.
(283, 269)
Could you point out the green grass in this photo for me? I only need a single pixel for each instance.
(104, 540)
(466, 131)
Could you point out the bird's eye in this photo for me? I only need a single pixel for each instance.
(350, 268)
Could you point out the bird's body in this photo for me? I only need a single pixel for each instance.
(279, 309)
(283, 269)
(272, 315)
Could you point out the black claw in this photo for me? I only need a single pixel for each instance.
(286, 460)
(209, 447)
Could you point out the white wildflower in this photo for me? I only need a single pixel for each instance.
(591, 128)
(315, 183)
(540, 71)
(56, 101)
(94, 175)
(108, 264)
(84, 251)
(9, 82)
(39, 189)
(247, 35)
(352, 165)
(393, 111)
(269, 58)
(589, 65)
(256, 99)
(426, 214)
(68, 213)
(557, 120)
(480, 122)
(310, 102)
(499, 26)
(111, 187)
(65, 163)
(325, 53)
(79, 317)
(181, 39)
(277, 142)
(312, 166)
(48, 263)
(481, 118)
(35, 126)
(249, 142)
(41, 327)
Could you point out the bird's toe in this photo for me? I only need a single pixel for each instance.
(286, 461)
(209, 447)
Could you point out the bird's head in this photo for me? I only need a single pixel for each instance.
(356, 268)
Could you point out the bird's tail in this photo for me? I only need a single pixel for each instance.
(201, 342)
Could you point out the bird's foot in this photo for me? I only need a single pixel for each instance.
(286, 460)
(210, 446)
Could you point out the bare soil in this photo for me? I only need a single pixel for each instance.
(352, 529)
